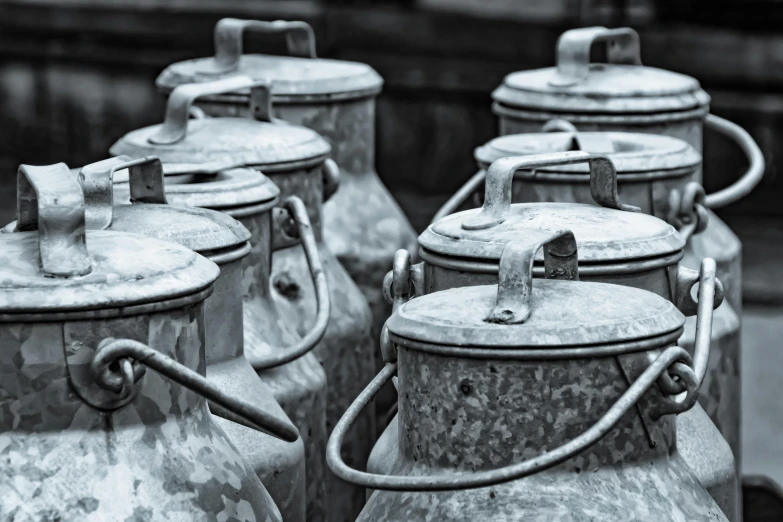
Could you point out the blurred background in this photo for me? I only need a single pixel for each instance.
(76, 75)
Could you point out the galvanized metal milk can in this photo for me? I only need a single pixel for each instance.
(279, 355)
(223, 240)
(616, 246)
(655, 173)
(295, 158)
(363, 225)
(87, 433)
(538, 399)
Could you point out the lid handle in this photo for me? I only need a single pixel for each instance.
(515, 283)
(145, 178)
(175, 125)
(299, 36)
(589, 142)
(49, 199)
(500, 175)
(573, 51)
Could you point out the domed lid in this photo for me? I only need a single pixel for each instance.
(52, 266)
(629, 152)
(297, 78)
(623, 85)
(258, 142)
(616, 233)
(522, 313)
(210, 186)
(199, 229)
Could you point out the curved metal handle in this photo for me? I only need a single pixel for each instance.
(708, 295)
(689, 214)
(573, 51)
(304, 231)
(459, 197)
(331, 179)
(50, 200)
(228, 40)
(391, 281)
(668, 358)
(139, 355)
(515, 273)
(175, 125)
(500, 175)
(686, 280)
(755, 171)
(145, 180)
(558, 125)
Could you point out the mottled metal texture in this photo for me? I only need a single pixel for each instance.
(363, 225)
(280, 465)
(717, 241)
(299, 386)
(710, 459)
(460, 414)
(347, 350)
(161, 454)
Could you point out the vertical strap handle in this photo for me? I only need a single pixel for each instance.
(175, 125)
(299, 36)
(500, 175)
(50, 200)
(145, 178)
(573, 52)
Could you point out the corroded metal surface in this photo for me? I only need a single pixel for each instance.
(162, 451)
(299, 386)
(463, 414)
(347, 350)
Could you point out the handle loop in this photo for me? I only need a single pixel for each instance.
(688, 213)
(752, 176)
(300, 40)
(175, 125)
(298, 212)
(50, 200)
(470, 480)
(140, 355)
(573, 52)
(331, 179)
(145, 180)
(500, 175)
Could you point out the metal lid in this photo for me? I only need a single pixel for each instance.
(521, 312)
(623, 85)
(199, 229)
(616, 233)
(211, 186)
(298, 78)
(243, 141)
(629, 152)
(52, 266)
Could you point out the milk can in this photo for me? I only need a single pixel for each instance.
(538, 399)
(223, 240)
(295, 158)
(623, 95)
(363, 226)
(616, 246)
(88, 433)
(655, 173)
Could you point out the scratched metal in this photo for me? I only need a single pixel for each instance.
(347, 350)
(162, 454)
(710, 458)
(459, 414)
(363, 225)
(720, 392)
(299, 386)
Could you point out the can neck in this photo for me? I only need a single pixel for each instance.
(474, 414)
(224, 316)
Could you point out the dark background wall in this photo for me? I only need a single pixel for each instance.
(76, 75)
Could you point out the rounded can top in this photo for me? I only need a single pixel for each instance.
(124, 270)
(629, 152)
(293, 79)
(603, 235)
